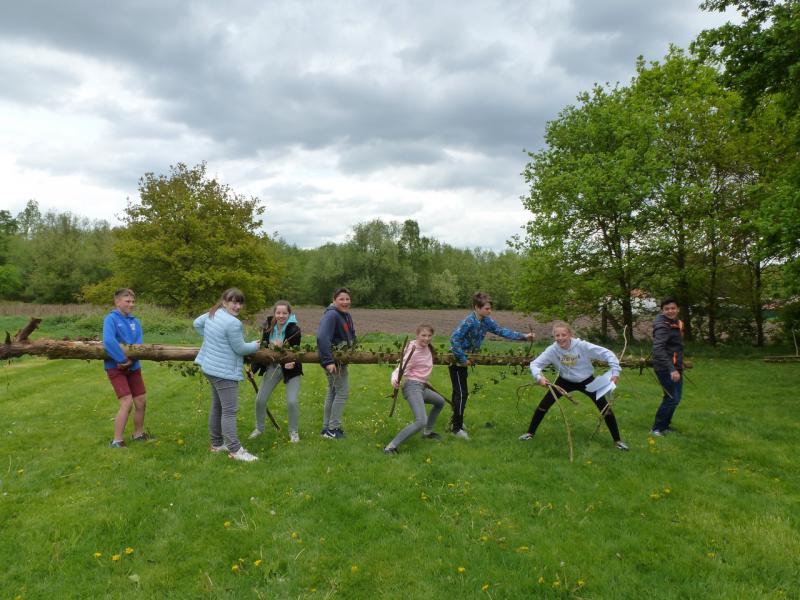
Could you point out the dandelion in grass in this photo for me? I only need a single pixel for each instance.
(21, 472)
(712, 555)
(461, 570)
(484, 538)
(484, 587)
(295, 535)
(428, 460)
(98, 554)
(556, 584)
(581, 583)
(226, 524)
(235, 568)
(128, 550)
(522, 549)
(667, 491)
(116, 557)
(258, 562)
(354, 569)
(655, 496)
(177, 475)
(541, 579)
(424, 497)
(180, 442)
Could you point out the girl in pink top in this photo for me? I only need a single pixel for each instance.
(418, 360)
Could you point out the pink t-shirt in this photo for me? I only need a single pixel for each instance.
(418, 367)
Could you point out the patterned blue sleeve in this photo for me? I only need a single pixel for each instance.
(510, 334)
(458, 341)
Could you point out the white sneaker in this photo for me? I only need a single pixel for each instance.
(294, 437)
(255, 433)
(461, 434)
(243, 455)
(526, 436)
(222, 448)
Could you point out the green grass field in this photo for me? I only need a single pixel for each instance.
(711, 512)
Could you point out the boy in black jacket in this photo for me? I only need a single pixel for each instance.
(668, 363)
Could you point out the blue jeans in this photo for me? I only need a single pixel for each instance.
(672, 397)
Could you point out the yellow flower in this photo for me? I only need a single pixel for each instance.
(581, 583)
(556, 584)
(295, 535)
(461, 569)
(484, 538)
(667, 490)
(177, 475)
(711, 554)
(655, 495)
(484, 587)
(428, 460)
(541, 579)
(128, 550)
(522, 549)
(354, 569)
(258, 562)
(226, 524)
(235, 568)
(98, 554)
(116, 557)
(424, 497)
(651, 441)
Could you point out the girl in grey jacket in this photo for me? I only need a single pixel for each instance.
(221, 358)
(572, 359)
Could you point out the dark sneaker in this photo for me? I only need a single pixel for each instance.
(116, 444)
(338, 433)
(620, 445)
(328, 434)
(390, 450)
(432, 436)
(144, 437)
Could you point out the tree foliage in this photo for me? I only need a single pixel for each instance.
(188, 238)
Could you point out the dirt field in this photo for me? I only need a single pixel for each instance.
(371, 320)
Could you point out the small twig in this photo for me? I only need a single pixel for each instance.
(796, 350)
(435, 391)
(401, 367)
(569, 431)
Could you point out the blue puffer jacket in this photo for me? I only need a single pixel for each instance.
(223, 345)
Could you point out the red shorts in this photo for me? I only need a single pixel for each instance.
(127, 383)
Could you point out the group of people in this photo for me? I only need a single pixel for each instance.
(221, 359)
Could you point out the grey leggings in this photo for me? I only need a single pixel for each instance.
(417, 396)
(222, 416)
(338, 390)
(272, 377)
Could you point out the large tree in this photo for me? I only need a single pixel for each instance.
(188, 238)
(587, 194)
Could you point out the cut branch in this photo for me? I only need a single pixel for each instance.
(93, 350)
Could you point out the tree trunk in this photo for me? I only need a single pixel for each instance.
(159, 353)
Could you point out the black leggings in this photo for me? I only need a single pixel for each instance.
(572, 386)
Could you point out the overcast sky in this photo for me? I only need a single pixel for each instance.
(331, 113)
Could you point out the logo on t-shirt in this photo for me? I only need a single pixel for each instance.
(569, 360)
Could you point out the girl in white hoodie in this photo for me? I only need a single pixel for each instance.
(572, 359)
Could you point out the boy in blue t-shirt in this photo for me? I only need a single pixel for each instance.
(121, 327)
(468, 337)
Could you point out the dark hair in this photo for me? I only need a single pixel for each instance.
(229, 295)
(341, 290)
(123, 292)
(278, 303)
(480, 299)
(668, 300)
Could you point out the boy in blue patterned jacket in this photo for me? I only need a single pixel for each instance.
(468, 337)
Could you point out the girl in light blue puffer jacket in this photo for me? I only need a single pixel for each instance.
(221, 358)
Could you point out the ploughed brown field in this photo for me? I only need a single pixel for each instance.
(403, 320)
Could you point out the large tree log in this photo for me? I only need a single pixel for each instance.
(89, 350)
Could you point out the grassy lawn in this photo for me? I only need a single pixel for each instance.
(711, 512)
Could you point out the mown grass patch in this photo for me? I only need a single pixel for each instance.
(710, 512)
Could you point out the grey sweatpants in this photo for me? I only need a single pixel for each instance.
(417, 396)
(222, 416)
(338, 391)
(272, 377)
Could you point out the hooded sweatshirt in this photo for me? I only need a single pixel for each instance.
(667, 344)
(574, 363)
(335, 329)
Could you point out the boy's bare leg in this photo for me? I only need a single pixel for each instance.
(125, 404)
(140, 404)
